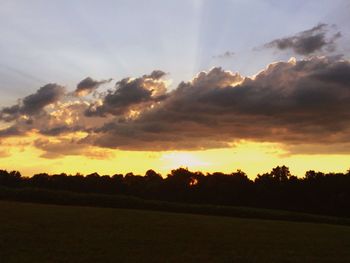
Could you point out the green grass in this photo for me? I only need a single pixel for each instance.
(51, 233)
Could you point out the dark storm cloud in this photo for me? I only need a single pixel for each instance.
(308, 41)
(88, 85)
(292, 102)
(129, 93)
(46, 95)
(155, 74)
(61, 129)
(34, 103)
(303, 105)
(10, 131)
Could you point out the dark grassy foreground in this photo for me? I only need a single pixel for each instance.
(50, 233)
(45, 196)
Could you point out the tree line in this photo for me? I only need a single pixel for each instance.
(316, 192)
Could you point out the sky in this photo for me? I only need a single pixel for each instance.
(120, 86)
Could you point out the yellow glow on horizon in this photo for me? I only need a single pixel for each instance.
(173, 160)
(251, 157)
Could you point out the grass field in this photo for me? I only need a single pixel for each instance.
(45, 196)
(49, 233)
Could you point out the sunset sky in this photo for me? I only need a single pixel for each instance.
(125, 86)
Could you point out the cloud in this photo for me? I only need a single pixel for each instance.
(62, 129)
(88, 85)
(318, 149)
(10, 131)
(227, 54)
(301, 104)
(291, 102)
(4, 150)
(63, 147)
(155, 75)
(33, 104)
(130, 94)
(307, 42)
(4, 154)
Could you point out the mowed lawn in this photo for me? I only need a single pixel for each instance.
(50, 233)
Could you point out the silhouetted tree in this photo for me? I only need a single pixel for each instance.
(316, 192)
(12, 178)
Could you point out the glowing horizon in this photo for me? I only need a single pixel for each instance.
(252, 158)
